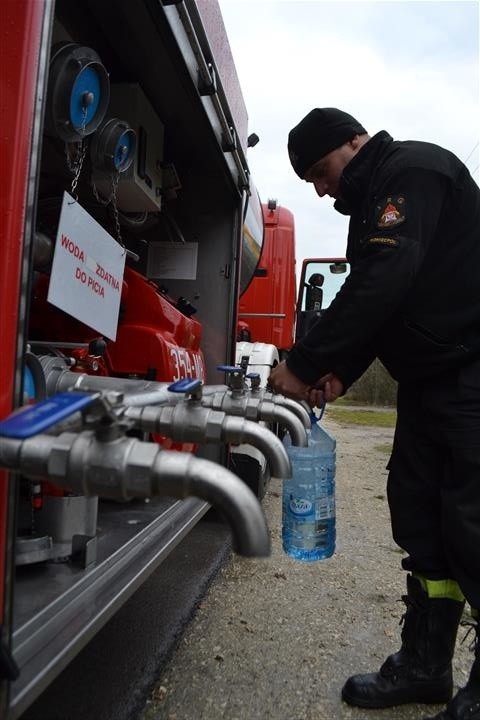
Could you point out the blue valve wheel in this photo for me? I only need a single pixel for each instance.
(113, 146)
(84, 97)
(124, 150)
(78, 92)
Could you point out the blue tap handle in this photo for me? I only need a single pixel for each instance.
(253, 376)
(185, 385)
(230, 368)
(34, 419)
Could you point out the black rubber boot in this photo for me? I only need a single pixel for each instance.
(466, 703)
(421, 671)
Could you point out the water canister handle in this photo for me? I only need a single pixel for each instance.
(316, 418)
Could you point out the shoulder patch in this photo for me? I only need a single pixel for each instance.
(389, 241)
(391, 211)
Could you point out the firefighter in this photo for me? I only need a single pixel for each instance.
(412, 299)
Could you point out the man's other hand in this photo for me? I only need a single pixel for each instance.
(327, 389)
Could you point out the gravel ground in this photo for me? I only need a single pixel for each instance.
(275, 639)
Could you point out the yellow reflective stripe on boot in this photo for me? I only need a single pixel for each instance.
(441, 588)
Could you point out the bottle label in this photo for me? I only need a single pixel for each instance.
(300, 506)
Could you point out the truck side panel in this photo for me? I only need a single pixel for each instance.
(267, 307)
(21, 32)
(59, 606)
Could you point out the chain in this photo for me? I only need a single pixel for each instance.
(115, 179)
(75, 165)
(98, 197)
(112, 199)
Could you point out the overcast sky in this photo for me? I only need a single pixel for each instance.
(408, 67)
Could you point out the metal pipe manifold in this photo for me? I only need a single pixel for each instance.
(125, 468)
(191, 422)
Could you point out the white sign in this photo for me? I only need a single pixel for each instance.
(172, 260)
(87, 270)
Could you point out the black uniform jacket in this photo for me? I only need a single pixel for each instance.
(413, 294)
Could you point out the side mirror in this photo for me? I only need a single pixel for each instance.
(338, 268)
(316, 279)
(313, 298)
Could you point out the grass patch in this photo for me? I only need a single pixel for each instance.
(344, 400)
(354, 402)
(386, 448)
(370, 418)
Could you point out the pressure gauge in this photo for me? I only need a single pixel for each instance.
(78, 93)
(113, 147)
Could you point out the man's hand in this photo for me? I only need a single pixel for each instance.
(283, 381)
(327, 389)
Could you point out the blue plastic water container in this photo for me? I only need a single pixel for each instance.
(308, 506)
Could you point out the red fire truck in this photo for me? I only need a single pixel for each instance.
(130, 226)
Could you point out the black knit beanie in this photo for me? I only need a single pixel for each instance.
(320, 132)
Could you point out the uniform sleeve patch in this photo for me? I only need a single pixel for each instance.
(391, 212)
(389, 241)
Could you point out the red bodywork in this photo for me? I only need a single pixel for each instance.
(20, 38)
(267, 307)
(154, 339)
